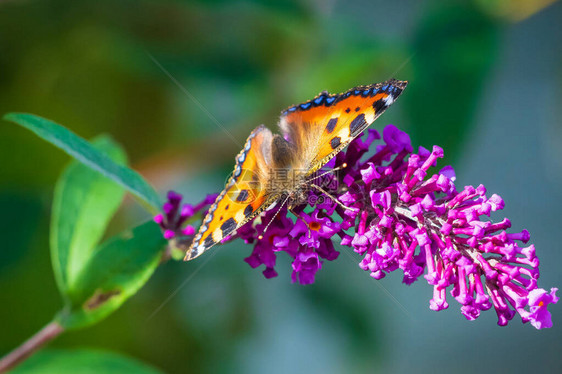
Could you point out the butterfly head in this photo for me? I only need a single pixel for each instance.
(298, 197)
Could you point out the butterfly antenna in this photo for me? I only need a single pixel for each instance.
(260, 237)
(333, 198)
(342, 166)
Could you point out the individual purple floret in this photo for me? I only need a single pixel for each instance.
(397, 214)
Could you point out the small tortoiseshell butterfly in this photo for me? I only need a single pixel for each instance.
(312, 133)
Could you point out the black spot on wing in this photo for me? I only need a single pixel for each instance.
(331, 125)
(209, 242)
(335, 142)
(248, 211)
(192, 253)
(357, 125)
(379, 106)
(228, 226)
(242, 196)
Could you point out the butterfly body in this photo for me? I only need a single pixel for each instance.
(270, 166)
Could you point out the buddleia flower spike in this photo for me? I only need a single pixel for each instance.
(408, 217)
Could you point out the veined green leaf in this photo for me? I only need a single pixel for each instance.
(115, 271)
(84, 152)
(83, 205)
(82, 361)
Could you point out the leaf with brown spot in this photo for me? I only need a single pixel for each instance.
(99, 298)
(117, 269)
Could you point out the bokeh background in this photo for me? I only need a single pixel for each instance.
(485, 84)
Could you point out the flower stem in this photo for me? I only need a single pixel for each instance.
(42, 337)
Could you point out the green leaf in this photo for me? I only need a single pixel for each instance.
(83, 204)
(82, 361)
(116, 271)
(84, 152)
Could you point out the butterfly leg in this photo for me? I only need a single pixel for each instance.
(302, 219)
(333, 198)
(297, 215)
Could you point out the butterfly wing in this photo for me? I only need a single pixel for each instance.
(323, 126)
(318, 129)
(246, 194)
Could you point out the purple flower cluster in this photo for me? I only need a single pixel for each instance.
(420, 223)
(397, 215)
(175, 215)
(307, 241)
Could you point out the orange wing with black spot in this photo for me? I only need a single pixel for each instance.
(245, 195)
(323, 126)
(316, 129)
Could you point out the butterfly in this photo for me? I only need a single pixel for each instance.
(271, 166)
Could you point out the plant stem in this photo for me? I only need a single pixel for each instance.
(42, 337)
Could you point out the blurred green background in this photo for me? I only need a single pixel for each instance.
(485, 83)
